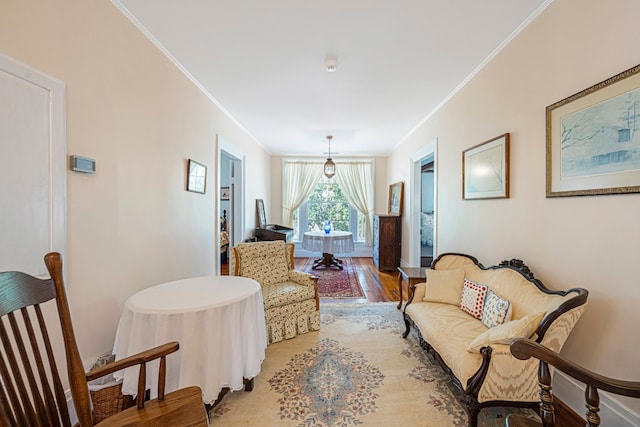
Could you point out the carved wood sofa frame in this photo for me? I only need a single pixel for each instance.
(470, 391)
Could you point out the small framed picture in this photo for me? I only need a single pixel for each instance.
(197, 179)
(262, 217)
(395, 198)
(224, 193)
(485, 170)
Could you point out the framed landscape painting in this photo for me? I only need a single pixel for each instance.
(593, 139)
(485, 169)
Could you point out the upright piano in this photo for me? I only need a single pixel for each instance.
(266, 231)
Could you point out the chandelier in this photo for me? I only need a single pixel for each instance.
(329, 166)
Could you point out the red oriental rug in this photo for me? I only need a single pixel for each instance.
(334, 283)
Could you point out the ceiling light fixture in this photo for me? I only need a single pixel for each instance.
(331, 64)
(329, 166)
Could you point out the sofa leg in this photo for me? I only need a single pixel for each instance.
(407, 327)
(472, 412)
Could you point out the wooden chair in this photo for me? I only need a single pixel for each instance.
(524, 349)
(31, 391)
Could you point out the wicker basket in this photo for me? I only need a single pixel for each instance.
(109, 401)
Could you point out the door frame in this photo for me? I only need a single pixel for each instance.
(428, 150)
(236, 197)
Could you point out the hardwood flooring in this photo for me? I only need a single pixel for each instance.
(378, 286)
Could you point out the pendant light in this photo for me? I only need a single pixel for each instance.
(329, 166)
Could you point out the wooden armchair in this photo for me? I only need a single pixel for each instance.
(31, 391)
(524, 349)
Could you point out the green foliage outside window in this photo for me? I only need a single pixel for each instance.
(327, 202)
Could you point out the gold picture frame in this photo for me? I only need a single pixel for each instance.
(485, 170)
(197, 177)
(394, 206)
(593, 139)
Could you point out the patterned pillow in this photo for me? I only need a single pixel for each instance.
(472, 299)
(496, 310)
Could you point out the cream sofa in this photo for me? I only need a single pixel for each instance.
(478, 357)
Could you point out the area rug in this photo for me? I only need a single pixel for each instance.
(356, 370)
(334, 283)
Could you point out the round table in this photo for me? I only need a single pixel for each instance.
(335, 242)
(218, 321)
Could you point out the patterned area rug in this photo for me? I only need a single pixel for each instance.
(357, 370)
(334, 283)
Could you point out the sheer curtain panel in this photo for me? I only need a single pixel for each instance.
(356, 180)
(299, 180)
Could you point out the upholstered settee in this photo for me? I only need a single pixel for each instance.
(290, 296)
(466, 315)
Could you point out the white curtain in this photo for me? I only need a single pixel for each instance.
(356, 180)
(298, 181)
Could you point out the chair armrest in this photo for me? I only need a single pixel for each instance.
(524, 349)
(141, 359)
(302, 278)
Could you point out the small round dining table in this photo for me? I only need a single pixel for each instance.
(218, 322)
(335, 242)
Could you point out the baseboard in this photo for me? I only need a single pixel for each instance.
(72, 410)
(613, 413)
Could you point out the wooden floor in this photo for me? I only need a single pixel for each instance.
(377, 286)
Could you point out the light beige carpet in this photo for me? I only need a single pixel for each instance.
(357, 370)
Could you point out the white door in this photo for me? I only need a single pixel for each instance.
(32, 167)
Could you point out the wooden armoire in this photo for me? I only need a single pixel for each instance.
(386, 242)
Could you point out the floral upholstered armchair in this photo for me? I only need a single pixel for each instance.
(290, 297)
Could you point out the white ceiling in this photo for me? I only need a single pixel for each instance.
(263, 62)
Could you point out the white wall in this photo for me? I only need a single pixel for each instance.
(589, 242)
(132, 225)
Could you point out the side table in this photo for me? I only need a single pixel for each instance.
(411, 275)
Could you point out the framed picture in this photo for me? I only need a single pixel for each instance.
(395, 198)
(262, 217)
(485, 170)
(593, 139)
(197, 179)
(224, 193)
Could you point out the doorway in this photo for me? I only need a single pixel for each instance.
(230, 201)
(426, 211)
(423, 205)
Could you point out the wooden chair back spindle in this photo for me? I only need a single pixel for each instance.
(31, 390)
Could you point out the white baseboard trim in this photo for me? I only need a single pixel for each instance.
(72, 410)
(613, 413)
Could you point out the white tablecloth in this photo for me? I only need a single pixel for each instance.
(218, 321)
(336, 242)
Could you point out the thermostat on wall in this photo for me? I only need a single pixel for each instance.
(83, 164)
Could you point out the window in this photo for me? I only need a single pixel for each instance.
(328, 202)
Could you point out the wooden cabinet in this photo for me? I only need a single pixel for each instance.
(386, 242)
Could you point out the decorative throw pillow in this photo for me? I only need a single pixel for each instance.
(496, 310)
(503, 334)
(444, 286)
(472, 299)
